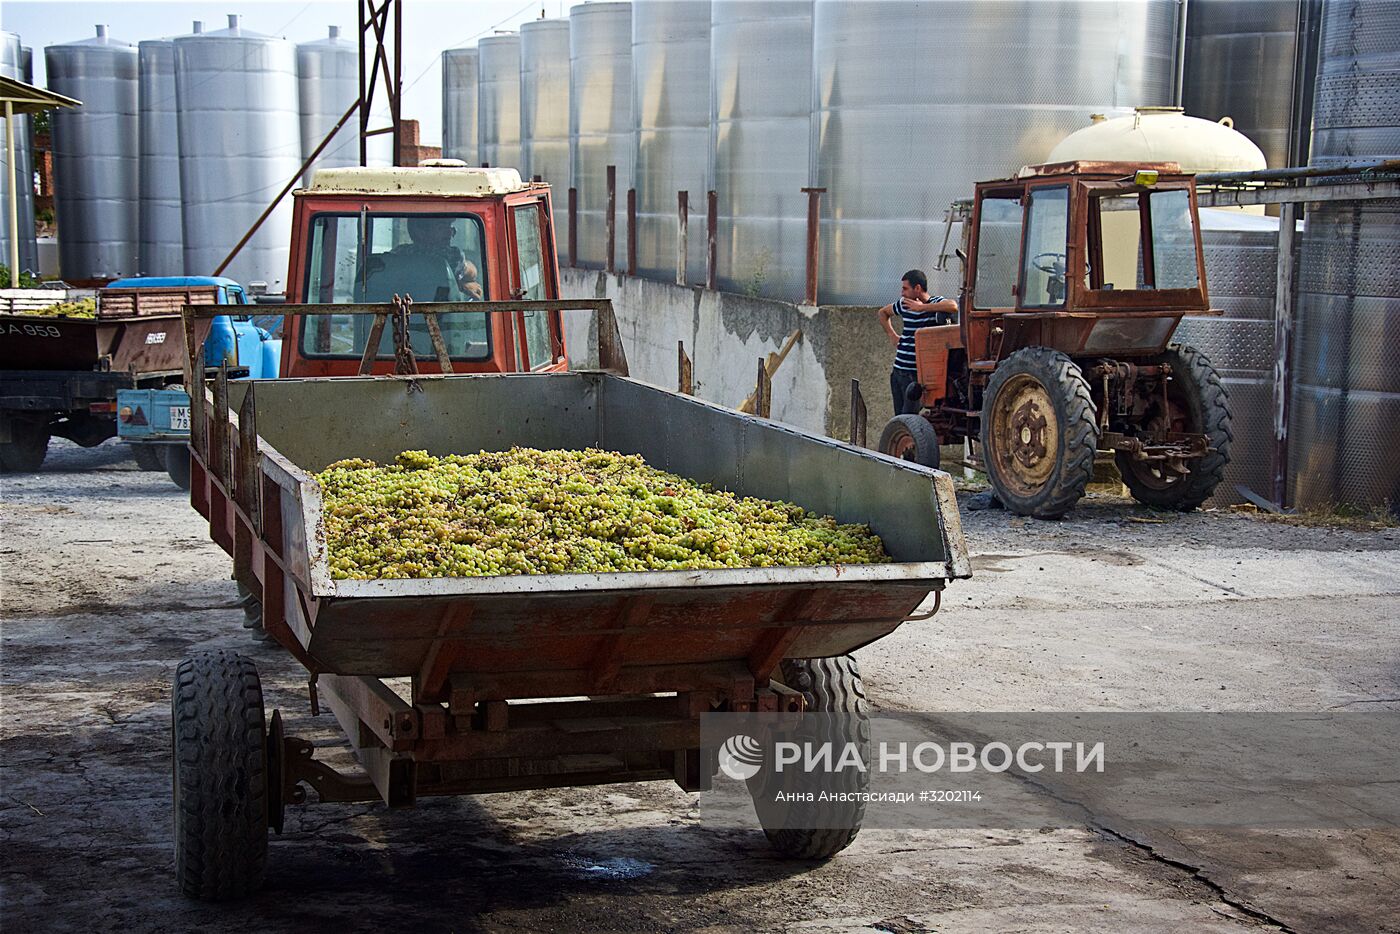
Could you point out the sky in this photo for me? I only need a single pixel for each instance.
(429, 27)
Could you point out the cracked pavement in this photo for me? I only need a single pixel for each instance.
(109, 580)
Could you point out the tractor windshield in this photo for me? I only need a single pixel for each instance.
(1142, 241)
(371, 257)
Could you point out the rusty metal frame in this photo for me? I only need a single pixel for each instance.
(381, 23)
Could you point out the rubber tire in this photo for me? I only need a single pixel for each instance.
(917, 427)
(219, 770)
(1079, 440)
(26, 452)
(1208, 405)
(177, 465)
(828, 685)
(148, 456)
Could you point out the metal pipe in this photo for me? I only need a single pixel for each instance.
(1179, 61)
(1283, 347)
(1361, 167)
(631, 231)
(813, 242)
(612, 218)
(573, 227)
(682, 233)
(14, 193)
(711, 239)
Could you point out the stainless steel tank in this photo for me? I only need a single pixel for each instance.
(14, 63)
(986, 88)
(96, 152)
(1345, 426)
(761, 107)
(240, 142)
(544, 109)
(459, 84)
(1239, 64)
(671, 127)
(328, 82)
(1241, 253)
(162, 243)
(600, 124)
(498, 108)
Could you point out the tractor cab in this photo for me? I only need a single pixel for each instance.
(1075, 277)
(442, 232)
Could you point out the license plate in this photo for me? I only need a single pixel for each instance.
(180, 418)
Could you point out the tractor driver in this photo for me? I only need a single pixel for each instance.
(916, 309)
(433, 236)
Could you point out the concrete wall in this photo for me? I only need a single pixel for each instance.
(726, 335)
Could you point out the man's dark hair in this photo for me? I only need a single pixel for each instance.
(916, 278)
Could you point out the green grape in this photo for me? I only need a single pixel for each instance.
(84, 308)
(526, 511)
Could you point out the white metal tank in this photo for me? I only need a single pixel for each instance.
(162, 242)
(761, 106)
(600, 124)
(459, 92)
(1345, 426)
(96, 156)
(915, 102)
(328, 82)
(1163, 134)
(498, 107)
(14, 63)
(671, 126)
(544, 109)
(240, 143)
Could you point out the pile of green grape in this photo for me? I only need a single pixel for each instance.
(526, 511)
(84, 308)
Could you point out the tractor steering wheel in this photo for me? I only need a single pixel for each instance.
(1055, 268)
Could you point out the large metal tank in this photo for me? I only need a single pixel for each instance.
(600, 124)
(990, 87)
(1345, 425)
(671, 127)
(498, 108)
(544, 109)
(96, 152)
(1239, 64)
(13, 64)
(161, 241)
(328, 82)
(761, 107)
(459, 83)
(240, 143)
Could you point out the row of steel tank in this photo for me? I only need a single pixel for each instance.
(182, 142)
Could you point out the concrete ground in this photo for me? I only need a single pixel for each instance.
(109, 580)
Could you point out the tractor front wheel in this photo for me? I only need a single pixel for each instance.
(1196, 403)
(910, 438)
(1039, 433)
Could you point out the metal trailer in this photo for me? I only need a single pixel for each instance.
(488, 661)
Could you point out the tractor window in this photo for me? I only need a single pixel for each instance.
(370, 258)
(1173, 240)
(530, 257)
(1047, 236)
(998, 253)
(1116, 228)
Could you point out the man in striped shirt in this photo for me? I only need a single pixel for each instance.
(916, 309)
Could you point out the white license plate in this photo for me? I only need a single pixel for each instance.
(179, 418)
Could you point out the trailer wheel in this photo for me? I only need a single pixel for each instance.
(27, 447)
(148, 456)
(1197, 403)
(829, 686)
(910, 438)
(1039, 433)
(219, 769)
(177, 465)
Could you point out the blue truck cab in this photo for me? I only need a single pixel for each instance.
(156, 422)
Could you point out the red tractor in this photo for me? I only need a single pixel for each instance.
(1075, 276)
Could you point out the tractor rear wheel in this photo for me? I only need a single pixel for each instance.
(1197, 403)
(220, 776)
(1039, 433)
(26, 449)
(910, 438)
(832, 689)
